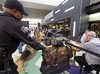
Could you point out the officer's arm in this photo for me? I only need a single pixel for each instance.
(22, 34)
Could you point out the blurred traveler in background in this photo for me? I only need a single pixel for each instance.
(83, 38)
(92, 44)
(20, 47)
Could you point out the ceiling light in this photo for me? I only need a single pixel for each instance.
(32, 21)
(94, 17)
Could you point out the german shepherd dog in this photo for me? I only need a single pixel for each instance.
(29, 52)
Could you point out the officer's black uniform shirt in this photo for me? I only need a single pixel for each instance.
(12, 32)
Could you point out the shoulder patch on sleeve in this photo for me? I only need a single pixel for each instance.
(24, 29)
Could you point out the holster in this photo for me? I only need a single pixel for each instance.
(6, 63)
(4, 59)
(2, 72)
(1, 51)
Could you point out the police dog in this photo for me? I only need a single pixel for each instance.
(29, 52)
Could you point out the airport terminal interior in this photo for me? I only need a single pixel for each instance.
(68, 17)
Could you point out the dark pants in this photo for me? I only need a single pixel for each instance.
(82, 61)
(11, 69)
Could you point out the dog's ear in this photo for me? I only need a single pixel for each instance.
(38, 34)
(42, 34)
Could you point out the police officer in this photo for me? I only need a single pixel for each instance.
(12, 31)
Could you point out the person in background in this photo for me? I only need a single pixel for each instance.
(21, 44)
(63, 32)
(92, 44)
(83, 38)
(31, 32)
(12, 31)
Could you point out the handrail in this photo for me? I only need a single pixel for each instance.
(96, 54)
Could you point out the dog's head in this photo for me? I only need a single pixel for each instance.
(39, 36)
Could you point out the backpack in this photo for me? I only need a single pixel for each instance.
(56, 55)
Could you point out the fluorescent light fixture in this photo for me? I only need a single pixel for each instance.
(52, 19)
(60, 22)
(64, 2)
(94, 17)
(1, 11)
(48, 16)
(44, 22)
(69, 9)
(57, 11)
(32, 21)
(47, 2)
(74, 28)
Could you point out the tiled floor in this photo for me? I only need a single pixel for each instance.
(35, 63)
(32, 68)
